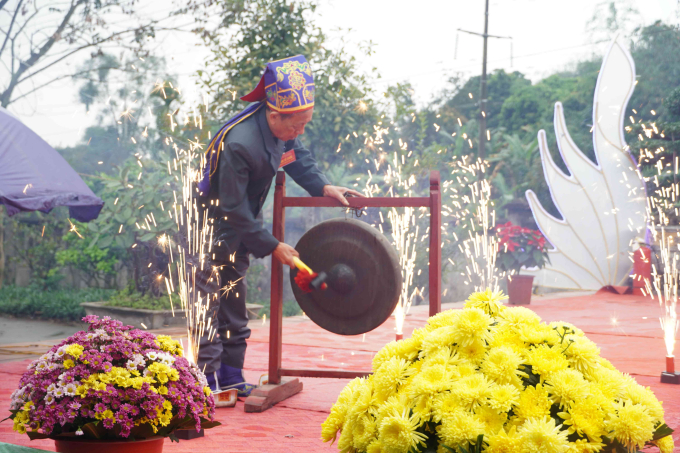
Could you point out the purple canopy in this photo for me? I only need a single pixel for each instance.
(34, 176)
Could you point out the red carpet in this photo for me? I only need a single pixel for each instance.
(616, 323)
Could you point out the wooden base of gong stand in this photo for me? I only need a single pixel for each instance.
(279, 387)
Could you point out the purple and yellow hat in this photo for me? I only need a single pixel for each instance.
(287, 85)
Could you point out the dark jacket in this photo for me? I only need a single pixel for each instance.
(248, 162)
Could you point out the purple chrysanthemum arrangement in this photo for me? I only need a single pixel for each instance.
(112, 381)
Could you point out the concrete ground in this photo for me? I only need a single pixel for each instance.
(626, 328)
(21, 330)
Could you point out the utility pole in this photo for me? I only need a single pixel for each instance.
(482, 88)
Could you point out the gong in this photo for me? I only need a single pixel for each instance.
(363, 276)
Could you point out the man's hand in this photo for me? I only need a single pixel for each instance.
(285, 253)
(339, 193)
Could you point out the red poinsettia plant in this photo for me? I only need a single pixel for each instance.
(520, 247)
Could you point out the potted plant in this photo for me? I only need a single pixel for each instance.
(520, 247)
(112, 388)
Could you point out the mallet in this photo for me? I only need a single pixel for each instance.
(307, 279)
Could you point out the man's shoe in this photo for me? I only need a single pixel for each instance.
(210, 377)
(231, 377)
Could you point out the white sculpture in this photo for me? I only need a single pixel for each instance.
(603, 204)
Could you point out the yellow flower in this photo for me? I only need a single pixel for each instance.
(471, 326)
(398, 433)
(443, 404)
(493, 421)
(501, 365)
(459, 428)
(473, 352)
(375, 447)
(391, 374)
(431, 380)
(585, 446)
(471, 391)
(206, 391)
(583, 354)
(638, 394)
(394, 404)
(68, 363)
(585, 417)
(631, 425)
(609, 382)
(541, 435)
(441, 337)
(363, 432)
(518, 316)
(545, 360)
(331, 426)
(406, 349)
(665, 444)
(537, 334)
(503, 397)
(167, 405)
(505, 335)
(566, 386)
(444, 318)
(74, 350)
(533, 402)
(503, 442)
(488, 301)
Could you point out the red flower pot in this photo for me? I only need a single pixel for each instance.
(151, 445)
(519, 289)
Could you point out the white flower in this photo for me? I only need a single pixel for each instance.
(70, 389)
(60, 352)
(147, 372)
(59, 392)
(41, 365)
(79, 432)
(90, 335)
(51, 388)
(130, 365)
(52, 366)
(152, 355)
(49, 398)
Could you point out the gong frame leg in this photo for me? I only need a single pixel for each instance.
(276, 304)
(435, 257)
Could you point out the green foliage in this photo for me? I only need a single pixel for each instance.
(37, 239)
(60, 304)
(131, 299)
(96, 265)
(134, 217)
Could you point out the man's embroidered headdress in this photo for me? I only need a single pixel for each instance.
(287, 85)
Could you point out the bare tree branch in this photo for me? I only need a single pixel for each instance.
(11, 24)
(6, 96)
(3, 3)
(61, 77)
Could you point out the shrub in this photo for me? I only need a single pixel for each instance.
(62, 304)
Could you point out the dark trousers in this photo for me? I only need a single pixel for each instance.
(229, 314)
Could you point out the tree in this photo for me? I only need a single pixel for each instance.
(42, 38)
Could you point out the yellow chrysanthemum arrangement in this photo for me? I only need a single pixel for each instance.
(495, 379)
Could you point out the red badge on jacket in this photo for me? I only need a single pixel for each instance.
(287, 158)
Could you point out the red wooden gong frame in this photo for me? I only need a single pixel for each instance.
(279, 387)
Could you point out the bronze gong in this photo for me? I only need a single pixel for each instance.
(364, 276)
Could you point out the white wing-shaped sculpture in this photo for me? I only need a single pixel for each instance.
(603, 205)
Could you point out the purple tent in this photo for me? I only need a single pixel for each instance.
(34, 176)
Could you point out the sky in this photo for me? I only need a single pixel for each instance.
(414, 42)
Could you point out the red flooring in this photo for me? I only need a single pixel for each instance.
(626, 328)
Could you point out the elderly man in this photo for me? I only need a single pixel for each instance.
(243, 157)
